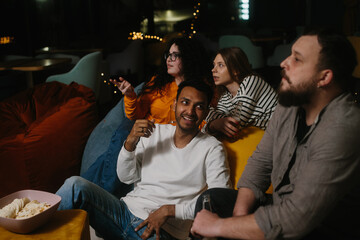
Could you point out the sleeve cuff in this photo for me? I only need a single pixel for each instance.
(261, 217)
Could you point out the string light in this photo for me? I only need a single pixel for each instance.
(192, 32)
(6, 39)
(142, 36)
(196, 14)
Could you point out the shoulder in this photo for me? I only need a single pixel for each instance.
(252, 82)
(225, 97)
(253, 79)
(342, 111)
(282, 115)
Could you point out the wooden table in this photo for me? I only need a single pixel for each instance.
(66, 224)
(32, 65)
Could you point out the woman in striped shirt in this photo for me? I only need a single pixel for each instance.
(245, 98)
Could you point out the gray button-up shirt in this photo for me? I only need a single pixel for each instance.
(323, 189)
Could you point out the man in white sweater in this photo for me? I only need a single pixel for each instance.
(170, 166)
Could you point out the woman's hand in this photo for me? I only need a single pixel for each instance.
(124, 86)
(228, 126)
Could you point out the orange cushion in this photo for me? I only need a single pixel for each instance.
(43, 153)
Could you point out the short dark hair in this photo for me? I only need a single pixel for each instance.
(201, 86)
(337, 54)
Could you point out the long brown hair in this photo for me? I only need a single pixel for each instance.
(237, 64)
(196, 64)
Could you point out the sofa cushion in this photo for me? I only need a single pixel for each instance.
(241, 150)
(43, 134)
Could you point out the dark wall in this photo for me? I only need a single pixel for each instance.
(68, 23)
(107, 23)
(16, 19)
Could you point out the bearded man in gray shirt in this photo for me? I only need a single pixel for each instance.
(309, 153)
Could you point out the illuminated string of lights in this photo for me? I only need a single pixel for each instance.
(196, 14)
(142, 36)
(6, 39)
(192, 31)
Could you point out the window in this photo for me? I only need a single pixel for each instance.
(244, 12)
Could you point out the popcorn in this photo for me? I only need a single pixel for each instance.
(23, 208)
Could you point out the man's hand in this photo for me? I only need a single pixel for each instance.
(156, 220)
(141, 128)
(208, 224)
(205, 224)
(125, 87)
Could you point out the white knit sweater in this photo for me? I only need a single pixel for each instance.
(165, 174)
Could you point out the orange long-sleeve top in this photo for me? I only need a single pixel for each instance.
(154, 105)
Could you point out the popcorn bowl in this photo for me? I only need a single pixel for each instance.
(27, 225)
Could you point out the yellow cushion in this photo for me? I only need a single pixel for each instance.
(239, 152)
(66, 224)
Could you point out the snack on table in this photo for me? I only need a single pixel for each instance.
(23, 208)
(12, 209)
(31, 209)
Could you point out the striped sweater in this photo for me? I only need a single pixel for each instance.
(254, 103)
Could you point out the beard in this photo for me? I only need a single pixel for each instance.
(295, 96)
(186, 129)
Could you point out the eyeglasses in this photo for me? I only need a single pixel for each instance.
(173, 56)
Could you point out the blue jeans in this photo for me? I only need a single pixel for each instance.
(109, 216)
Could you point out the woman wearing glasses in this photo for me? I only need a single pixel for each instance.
(184, 58)
(245, 98)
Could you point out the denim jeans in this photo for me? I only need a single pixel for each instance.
(100, 138)
(108, 215)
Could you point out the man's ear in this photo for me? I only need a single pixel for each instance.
(326, 77)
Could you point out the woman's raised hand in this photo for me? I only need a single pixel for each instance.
(124, 86)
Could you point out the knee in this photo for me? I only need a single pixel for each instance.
(71, 192)
(71, 184)
(75, 181)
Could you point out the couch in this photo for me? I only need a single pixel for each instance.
(43, 133)
(238, 152)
